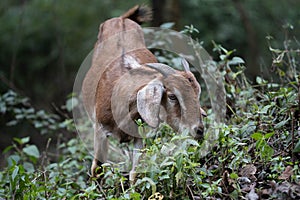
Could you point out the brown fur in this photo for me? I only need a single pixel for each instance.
(111, 44)
(119, 38)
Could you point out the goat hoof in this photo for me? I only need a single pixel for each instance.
(96, 169)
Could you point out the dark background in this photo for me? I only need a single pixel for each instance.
(43, 42)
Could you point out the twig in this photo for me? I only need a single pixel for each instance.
(293, 136)
(60, 112)
(45, 156)
(101, 190)
(190, 192)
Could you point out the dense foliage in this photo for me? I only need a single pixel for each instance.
(45, 41)
(255, 156)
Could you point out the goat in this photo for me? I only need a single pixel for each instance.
(126, 83)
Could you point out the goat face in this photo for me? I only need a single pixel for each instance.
(172, 98)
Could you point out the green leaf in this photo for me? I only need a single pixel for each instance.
(223, 57)
(178, 176)
(32, 150)
(72, 149)
(179, 137)
(260, 80)
(275, 50)
(29, 167)
(236, 61)
(282, 123)
(167, 149)
(164, 164)
(25, 140)
(272, 85)
(22, 141)
(297, 147)
(13, 159)
(147, 180)
(71, 103)
(7, 149)
(233, 175)
(11, 123)
(167, 25)
(192, 142)
(267, 152)
(135, 196)
(257, 136)
(166, 176)
(268, 135)
(15, 173)
(260, 144)
(265, 109)
(249, 127)
(205, 185)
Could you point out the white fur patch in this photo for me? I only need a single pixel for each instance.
(130, 62)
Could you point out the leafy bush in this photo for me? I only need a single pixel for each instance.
(255, 156)
(19, 109)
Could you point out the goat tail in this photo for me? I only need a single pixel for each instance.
(139, 14)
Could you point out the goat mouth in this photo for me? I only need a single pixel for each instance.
(197, 132)
(198, 137)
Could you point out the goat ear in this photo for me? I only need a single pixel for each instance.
(148, 102)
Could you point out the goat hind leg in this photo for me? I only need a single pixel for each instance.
(100, 148)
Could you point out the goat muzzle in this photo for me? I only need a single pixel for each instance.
(199, 132)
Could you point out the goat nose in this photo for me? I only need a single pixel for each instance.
(199, 130)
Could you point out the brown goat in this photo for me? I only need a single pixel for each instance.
(125, 83)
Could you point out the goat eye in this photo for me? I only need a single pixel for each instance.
(190, 80)
(172, 97)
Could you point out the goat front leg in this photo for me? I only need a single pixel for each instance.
(138, 145)
(100, 149)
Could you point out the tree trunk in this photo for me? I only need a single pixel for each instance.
(165, 11)
(252, 58)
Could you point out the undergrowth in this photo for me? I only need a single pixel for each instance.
(255, 156)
